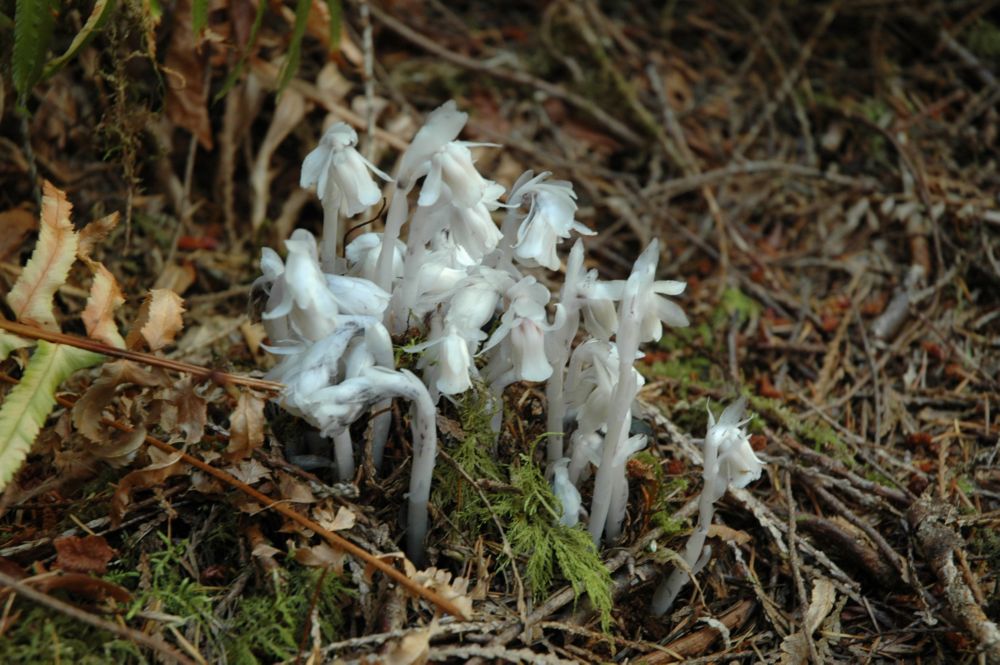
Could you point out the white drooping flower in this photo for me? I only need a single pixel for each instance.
(473, 227)
(592, 381)
(362, 256)
(550, 219)
(443, 126)
(337, 169)
(523, 326)
(738, 464)
(301, 303)
(447, 362)
(566, 492)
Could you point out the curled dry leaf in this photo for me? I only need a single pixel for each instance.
(164, 466)
(89, 554)
(114, 446)
(412, 649)
(246, 426)
(159, 320)
(105, 294)
(440, 581)
(321, 556)
(31, 296)
(94, 233)
(182, 411)
(99, 314)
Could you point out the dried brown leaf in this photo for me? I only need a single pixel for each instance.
(183, 412)
(16, 223)
(294, 490)
(287, 116)
(159, 320)
(99, 314)
(249, 471)
(111, 395)
(246, 426)
(412, 649)
(89, 554)
(94, 233)
(31, 296)
(162, 468)
(187, 97)
(321, 556)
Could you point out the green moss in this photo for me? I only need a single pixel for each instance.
(474, 453)
(983, 39)
(531, 515)
(269, 628)
(266, 626)
(42, 636)
(734, 303)
(822, 437)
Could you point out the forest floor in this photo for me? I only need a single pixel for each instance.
(824, 176)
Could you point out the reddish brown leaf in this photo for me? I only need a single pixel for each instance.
(89, 554)
(80, 584)
(95, 232)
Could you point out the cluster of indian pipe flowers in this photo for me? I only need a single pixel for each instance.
(467, 287)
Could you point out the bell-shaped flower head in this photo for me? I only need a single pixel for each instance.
(443, 126)
(473, 227)
(525, 323)
(362, 256)
(550, 219)
(307, 304)
(738, 464)
(447, 362)
(337, 169)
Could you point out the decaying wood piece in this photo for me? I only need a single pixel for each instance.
(936, 537)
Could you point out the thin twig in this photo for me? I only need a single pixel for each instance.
(203, 373)
(407, 33)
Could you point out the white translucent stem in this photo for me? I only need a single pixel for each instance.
(331, 228)
(556, 405)
(394, 220)
(344, 452)
(424, 456)
(667, 592)
(619, 418)
(381, 424)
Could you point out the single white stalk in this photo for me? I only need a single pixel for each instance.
(620, 414)
(331, 228)
(667, 591)
(394, 220)
(560, 347)
(343, 450)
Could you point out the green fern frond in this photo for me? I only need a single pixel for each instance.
(34, 21)
(30, 402)
(98, 17)
(291, 65)
(535, 533)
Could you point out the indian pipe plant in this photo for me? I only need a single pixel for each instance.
(485, 322)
